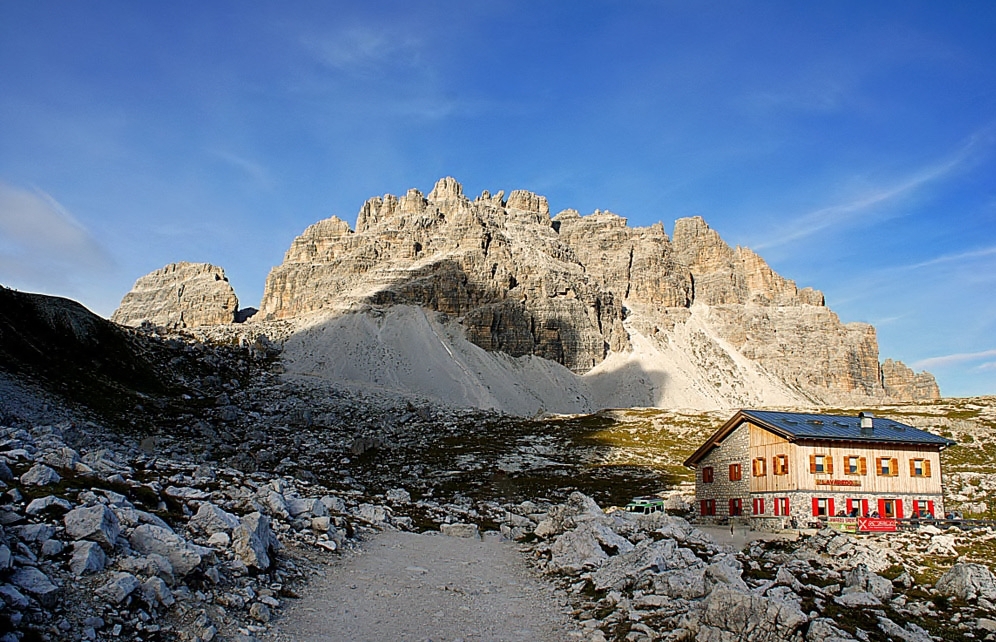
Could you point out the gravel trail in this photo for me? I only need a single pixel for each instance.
(428, 587)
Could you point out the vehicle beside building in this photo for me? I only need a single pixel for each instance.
(786, 469)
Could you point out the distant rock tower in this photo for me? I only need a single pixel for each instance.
(180, 295)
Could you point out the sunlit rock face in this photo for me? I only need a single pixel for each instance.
(578, 289)
(180, 295)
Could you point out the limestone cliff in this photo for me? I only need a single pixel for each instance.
(593, 294)
(900, 382)
(180, 295)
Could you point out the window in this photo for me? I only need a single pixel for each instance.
(890, 508)
(855, 465)
(820, 464)
(823, 507)
(919, 468)
(857, 507)
(707, 507)
(736, 473)
(707, 475)
(760, 468)
(758, 505)
(781, 506)
(923, 507)
(887, 466)
(736, 507)
(780, 465)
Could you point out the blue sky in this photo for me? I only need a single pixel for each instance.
(852, 144)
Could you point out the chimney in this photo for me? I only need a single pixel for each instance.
(867, 422)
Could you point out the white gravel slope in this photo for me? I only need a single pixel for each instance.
(407, 351)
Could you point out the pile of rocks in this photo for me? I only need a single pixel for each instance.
(100, 544)
(657, 577)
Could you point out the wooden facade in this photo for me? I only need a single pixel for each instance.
(791, 467)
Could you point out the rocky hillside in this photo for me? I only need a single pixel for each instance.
(596, 313)
(580, 290)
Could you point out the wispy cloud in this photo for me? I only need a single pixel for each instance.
(955, 258)
(954, 359)
(42, 245)
(989, 365)
(364, 50)
(253, 170)
(857, 208)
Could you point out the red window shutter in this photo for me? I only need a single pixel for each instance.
(785, 504)
(926, 468)
(930, 507)
(812, 464)
(816, 506)
(899, 509)
(702, 507)
(830, 511)
(881, 508)
(850, 505)
(864, 507)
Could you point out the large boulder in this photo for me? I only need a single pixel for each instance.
(254, 542)
(87, 557)
(148, 539)
(968, 582)
(32, 581)
(96, 523)
(211, 519)
(40, 475)
(730, 615)
(586, 547)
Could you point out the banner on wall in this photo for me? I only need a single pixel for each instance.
(843, 524)
(876, 525)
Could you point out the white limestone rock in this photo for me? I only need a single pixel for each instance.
(40, 475)
(148, 539)
(97, 523)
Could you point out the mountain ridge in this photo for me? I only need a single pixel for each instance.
(583, 291)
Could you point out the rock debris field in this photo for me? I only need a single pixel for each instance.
(418, 587)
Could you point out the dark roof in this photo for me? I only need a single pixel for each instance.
(798, 426)
(843, 428)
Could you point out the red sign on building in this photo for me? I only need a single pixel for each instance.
(876, 525)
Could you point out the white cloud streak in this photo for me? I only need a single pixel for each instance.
(953, 359)
(253, 170)
(42, 245)
(856, 209)
(955, 258)
(363, 51)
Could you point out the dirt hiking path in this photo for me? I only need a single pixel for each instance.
(408, 587)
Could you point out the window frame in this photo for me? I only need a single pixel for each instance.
(820, 464)
(780, 464)
(924, 467)
(861, 465)
(708, 475)
(707, 507)
(887, 466)
(759, 467)
(736, 472)
(757, 506)
(736, 507)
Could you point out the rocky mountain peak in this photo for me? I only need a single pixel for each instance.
(687, 320)
(180, 295)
